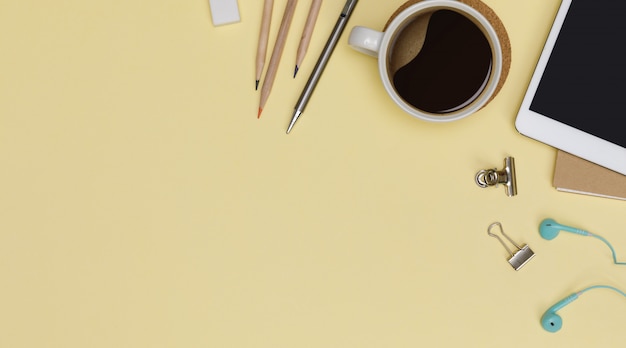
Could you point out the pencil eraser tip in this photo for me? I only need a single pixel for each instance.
(224, 11)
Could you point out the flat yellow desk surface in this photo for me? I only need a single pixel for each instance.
(143, 204)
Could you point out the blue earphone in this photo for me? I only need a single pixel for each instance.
(552, 322)
(549, 229)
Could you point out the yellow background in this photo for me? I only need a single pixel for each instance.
(143, 204)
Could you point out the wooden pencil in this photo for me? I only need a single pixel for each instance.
(277, 53)
(266, 21)
(307, 33)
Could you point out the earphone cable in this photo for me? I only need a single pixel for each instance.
(610, 247)
(602, 287)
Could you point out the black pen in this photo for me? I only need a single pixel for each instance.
(322, 61)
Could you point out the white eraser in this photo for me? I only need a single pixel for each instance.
(224, 11)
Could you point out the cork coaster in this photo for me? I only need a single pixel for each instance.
(411, 40)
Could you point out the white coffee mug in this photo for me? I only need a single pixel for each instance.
(379, 44)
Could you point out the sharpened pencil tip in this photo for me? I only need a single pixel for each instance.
(260, 111)
(256, 85)
(295, 72)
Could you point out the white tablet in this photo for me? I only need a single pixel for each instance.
(576, 100)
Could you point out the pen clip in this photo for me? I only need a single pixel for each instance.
(349, 7)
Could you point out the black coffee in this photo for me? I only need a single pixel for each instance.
(451, 69)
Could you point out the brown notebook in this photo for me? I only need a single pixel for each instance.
(576, 175)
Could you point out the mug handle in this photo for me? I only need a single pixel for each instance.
(365, 40)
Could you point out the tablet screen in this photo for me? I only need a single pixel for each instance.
(584, 82)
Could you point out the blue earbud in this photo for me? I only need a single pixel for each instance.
(549, 229)
(551, 321)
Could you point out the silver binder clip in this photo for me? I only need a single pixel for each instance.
(521, 256)
(493, 177)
